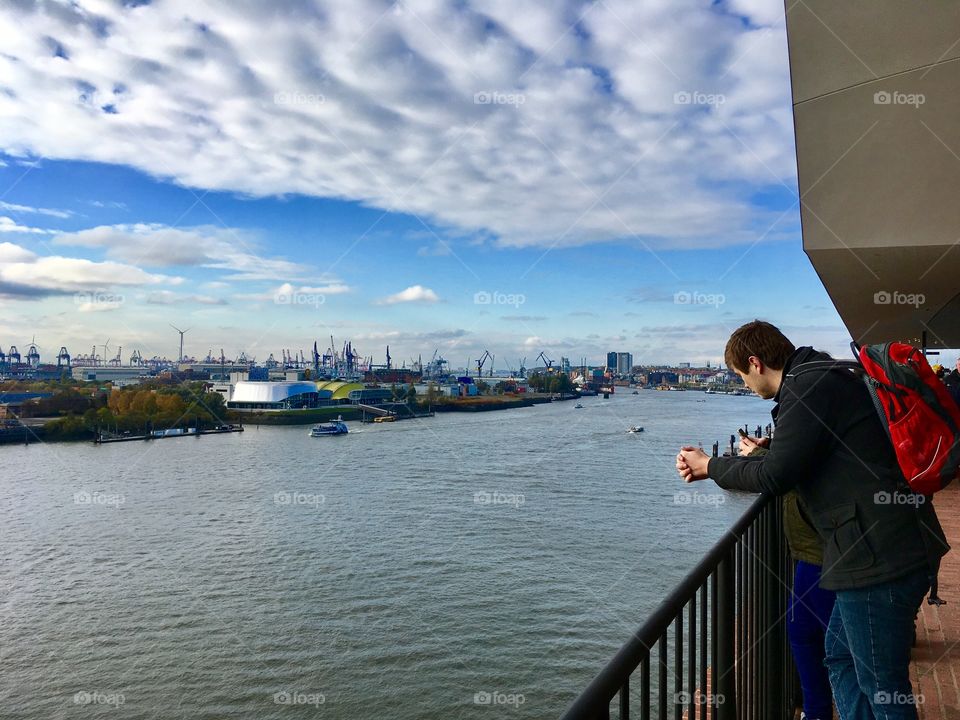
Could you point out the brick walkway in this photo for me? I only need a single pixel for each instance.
(935, 669)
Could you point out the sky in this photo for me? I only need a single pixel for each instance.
(519, 177)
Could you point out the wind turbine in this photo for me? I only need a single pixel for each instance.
(182, 333)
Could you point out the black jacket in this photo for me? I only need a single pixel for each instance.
(831, 447)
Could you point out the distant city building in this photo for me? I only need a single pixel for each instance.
(624, 363)
(612, 361)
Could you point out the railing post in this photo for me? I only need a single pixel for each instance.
(773, 626)
(724, 685)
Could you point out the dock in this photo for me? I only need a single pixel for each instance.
(103, 439)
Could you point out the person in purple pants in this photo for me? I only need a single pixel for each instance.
(810, 606)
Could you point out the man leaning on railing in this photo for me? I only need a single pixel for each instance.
(878, 554)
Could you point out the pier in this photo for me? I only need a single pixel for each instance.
(104, 438)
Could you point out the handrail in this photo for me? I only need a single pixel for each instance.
(748, 593)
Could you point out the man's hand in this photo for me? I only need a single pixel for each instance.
(749, 444)
(692, 463)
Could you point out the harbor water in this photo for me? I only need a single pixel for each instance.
(461, 566)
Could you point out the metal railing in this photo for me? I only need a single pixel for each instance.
(731, 659)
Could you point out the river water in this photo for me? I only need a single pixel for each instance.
(462, 566)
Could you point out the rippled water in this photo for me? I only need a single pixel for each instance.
(401, 571)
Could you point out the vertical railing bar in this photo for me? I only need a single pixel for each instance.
(625, 700)
(645, 688)
(662, 690)
(714, 623)
(692, 658)
(678, 666)
(704, 635)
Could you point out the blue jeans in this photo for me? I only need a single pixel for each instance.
(868, 649)
(809, 613)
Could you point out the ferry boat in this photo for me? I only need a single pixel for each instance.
(337, 427)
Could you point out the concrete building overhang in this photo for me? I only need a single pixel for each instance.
(876, 100)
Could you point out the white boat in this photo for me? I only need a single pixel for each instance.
(635, 429)
(578, 405)
(337, 427)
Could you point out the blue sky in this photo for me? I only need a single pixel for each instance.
(573, 179)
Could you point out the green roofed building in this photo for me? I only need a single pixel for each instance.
(337, 390)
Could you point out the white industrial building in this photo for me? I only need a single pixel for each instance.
(252, 395)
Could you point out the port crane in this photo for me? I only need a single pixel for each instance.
(483, 359)
(547, 362)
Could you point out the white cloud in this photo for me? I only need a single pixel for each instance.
(581, 140)
(10, 253)
(24, 274)
(51, 212)
(7, 225)
(154, 245)
(167, 297)
(413, 294)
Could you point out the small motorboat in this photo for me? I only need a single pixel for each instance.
(578, 406)
(385, 418)
(337, 427)
(635, 429)
(635, 392)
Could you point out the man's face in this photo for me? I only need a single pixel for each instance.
(757, 381)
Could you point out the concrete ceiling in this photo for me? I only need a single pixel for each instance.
(876, 100)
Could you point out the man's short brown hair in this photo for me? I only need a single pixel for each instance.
(758, 338)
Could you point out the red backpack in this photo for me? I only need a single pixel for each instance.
(920, 416)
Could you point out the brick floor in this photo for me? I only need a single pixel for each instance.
(935, 669)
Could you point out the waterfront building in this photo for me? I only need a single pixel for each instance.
(247, 395)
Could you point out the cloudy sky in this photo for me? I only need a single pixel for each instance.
(567, 177)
